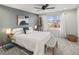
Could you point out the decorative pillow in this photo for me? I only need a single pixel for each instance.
(17, 30)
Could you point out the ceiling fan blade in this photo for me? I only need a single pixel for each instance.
(39, 10)
(37, 7)
(50, 8)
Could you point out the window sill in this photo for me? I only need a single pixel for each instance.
(54, 28)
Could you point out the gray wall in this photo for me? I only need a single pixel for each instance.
(8, 19)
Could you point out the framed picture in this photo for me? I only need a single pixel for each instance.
(23, 20)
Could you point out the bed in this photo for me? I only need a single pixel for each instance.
(33, 41)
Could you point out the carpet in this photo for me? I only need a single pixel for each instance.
(13, 51)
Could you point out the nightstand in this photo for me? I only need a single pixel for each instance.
(9, 36)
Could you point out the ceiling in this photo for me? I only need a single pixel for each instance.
(30, 7)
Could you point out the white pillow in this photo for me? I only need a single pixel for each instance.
(29, 31)
(17, 30)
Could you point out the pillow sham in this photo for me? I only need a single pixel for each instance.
(29, 31)
(17, 30)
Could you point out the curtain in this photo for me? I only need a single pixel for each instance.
(39, 23)
(63, 25)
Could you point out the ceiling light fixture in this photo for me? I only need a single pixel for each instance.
(65, 8)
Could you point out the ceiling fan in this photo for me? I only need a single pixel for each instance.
(44, 7)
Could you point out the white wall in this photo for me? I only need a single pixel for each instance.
(71, 22)
(70, 18)
(62, 25)
(78, 20)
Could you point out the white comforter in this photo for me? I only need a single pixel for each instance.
(33, 41)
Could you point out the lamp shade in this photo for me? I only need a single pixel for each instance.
(35, 26)
(8, 31)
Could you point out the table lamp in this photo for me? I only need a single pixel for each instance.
(8, 31)
(35, 26)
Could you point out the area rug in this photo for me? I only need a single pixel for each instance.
(13, 51)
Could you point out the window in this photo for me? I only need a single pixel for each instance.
(53, 22)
